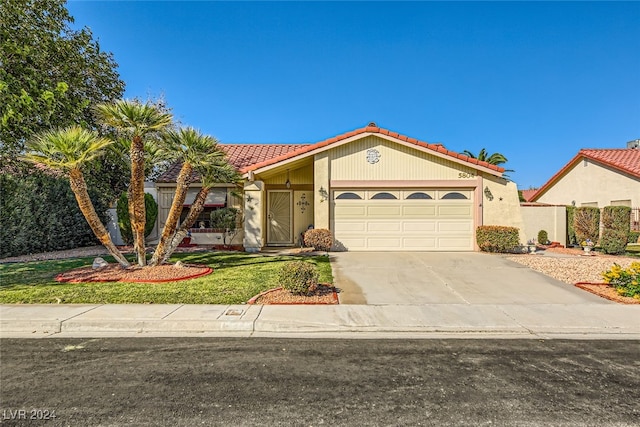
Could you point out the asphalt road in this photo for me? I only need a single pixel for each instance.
(213, 381)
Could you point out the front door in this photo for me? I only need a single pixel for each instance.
(279, 218)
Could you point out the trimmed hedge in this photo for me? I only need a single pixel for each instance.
(634, 237)
(299, 277)
(616, 222)
(124, 223)
(571, 232)
(320, 239)
(586, 223)
(496, 238)
(39, 213)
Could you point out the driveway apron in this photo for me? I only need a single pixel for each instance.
(379, 278)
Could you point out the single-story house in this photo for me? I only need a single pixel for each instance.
(376, 190)
(595, 177)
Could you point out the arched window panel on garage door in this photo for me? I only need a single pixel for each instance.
(418, 195)
(347, 195)
(382, 195)
(454, 195)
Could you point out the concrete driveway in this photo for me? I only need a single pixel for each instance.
(379, 278)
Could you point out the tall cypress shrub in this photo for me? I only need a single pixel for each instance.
(39, 213)
(616, 224)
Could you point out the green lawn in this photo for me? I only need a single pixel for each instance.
(236, 277)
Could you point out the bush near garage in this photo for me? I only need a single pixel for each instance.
(299, 277)
(497, 238)
(320, 239)
(616, 222)
(626, 281)
(634, 237)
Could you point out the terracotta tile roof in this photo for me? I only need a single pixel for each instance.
(527, 194)
(248, 157)
(239, 155)
(625, 160)
(243, 156)
(374, 130)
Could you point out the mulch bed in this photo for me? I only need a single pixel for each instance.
(324, 294)
(134, 274)
(607, 291)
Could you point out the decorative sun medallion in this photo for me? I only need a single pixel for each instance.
(373, 155)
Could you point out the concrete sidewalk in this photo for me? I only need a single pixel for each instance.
(611, 321)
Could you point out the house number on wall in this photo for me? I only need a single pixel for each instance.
(373, 155)
(303, 203)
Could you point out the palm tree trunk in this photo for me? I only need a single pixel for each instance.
(79, 188)
(194, 211)
(137, 212)
(169, 229)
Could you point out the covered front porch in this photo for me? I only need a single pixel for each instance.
(279, 205)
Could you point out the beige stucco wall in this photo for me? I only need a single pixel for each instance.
(321, 202)
(302, 175)
(552, 219)
(302, 212)
(588, 182)
(504, 209)
(396, 162)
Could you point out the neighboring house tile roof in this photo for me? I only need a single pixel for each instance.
(623, 160)
(528, 194)
(370, 129)
(249, 157)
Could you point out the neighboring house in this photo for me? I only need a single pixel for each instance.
(595, 177)
(376, 190)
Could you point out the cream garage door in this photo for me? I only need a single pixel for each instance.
(404, 220)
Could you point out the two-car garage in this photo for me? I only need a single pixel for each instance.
(404, 219)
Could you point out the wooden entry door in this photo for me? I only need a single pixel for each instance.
(280, 217)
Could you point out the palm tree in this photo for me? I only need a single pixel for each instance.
(136, 121)
(195, 150)
(483, 156)
(219, 171)
(69, 150)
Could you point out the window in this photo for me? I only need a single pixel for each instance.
(204, 219)
(384, 196)
(349, 196)
(454, 196)
(419, 195)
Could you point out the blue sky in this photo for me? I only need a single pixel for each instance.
(535, 81)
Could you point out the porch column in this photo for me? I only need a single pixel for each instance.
(253, 208)
(321, 193)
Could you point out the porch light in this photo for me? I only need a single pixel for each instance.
(288, 183)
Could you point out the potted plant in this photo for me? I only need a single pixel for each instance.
(587, 245)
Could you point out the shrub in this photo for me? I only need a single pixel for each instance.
(586, 223)
(496, 238)
(225, 219)
(616, 222)
(613, 241)
(634, 237)
(124, 223)
(543, 237)
(626, 281)
(571, 232)
(299, 277)
(321, 239)
(39, 213)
